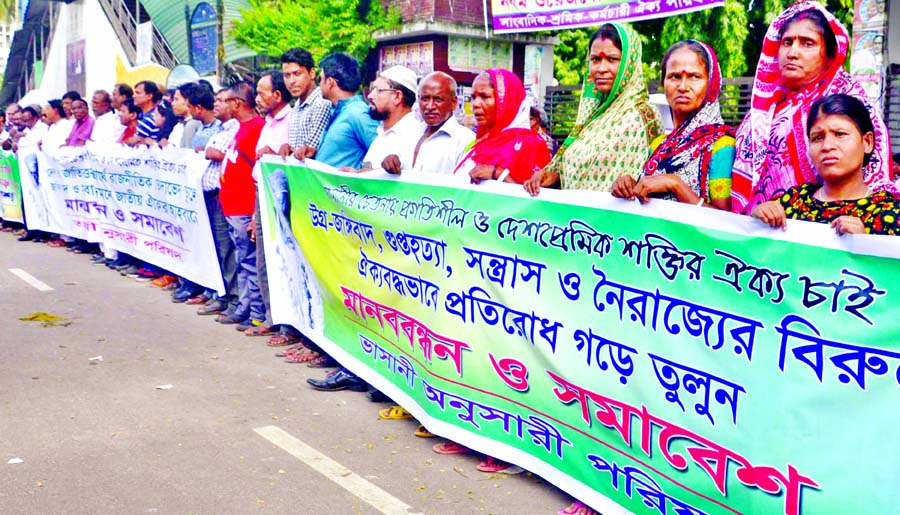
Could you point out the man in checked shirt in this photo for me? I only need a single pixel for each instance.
(311, 112)
(215, 152)
(308, 120)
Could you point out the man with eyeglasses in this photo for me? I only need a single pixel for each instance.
(442, 140)
(391, 99)
(238, 197)
(218, 144)
(351, 130)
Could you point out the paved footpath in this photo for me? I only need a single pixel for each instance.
(239, 432)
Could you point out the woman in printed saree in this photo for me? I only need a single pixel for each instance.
(802, 60)
(615, 123)
(505, 148)
(692, 164)
(841, 143)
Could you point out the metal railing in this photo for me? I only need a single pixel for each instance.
(561, 104)
(121, 15)
(892, 107)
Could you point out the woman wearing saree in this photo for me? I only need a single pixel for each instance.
(692, 164)
(842, 138)
(615, 123)
(802, 60)
(505, 148)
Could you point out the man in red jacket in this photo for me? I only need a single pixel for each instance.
(238, 196)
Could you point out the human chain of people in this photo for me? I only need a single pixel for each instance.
(636, 315)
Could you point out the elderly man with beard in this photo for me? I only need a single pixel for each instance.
(442, 140)
(391, 98)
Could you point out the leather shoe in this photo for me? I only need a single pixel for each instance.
(376, 395)
(343, 379)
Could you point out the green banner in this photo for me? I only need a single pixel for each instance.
(10, 188)
(646, 359)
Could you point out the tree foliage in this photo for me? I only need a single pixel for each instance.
(270, 27)
(735, 31)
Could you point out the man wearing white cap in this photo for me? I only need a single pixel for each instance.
(391, 98)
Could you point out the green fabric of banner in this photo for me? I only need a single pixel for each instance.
(10, 188)
(642, 364)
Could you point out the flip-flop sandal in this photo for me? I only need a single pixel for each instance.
(450, 447)
(323, 361)
(301, 357)
(421, 432)
(283, 353)
(495, 466)
(394, 413)
(577, 508)
(281, 340)
(261, 330)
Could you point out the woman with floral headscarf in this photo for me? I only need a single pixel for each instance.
(505, 148)
(615, 123)
(802, 60)
(692, 164)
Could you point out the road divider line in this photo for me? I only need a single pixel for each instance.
(339, 474)
(32, 281)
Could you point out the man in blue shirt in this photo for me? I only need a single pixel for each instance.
(346, 141)
(350, 130)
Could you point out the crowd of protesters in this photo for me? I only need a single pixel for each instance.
(811, 148)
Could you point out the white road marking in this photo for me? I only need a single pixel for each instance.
(32, 281)
(344, 477)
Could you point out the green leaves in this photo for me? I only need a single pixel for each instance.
(735, 31)
(270, 27)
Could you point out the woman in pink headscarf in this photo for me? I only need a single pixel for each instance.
(802, 60)
(505, 148)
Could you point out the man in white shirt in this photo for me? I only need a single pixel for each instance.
(392, 96)
(33, 132)
(443, 141)
(59, 126)
(107, 126)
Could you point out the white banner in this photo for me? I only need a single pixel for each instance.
(145, 202)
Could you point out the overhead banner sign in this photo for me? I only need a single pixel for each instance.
(531, 15)
(145, 202)
(670, 363)
(10, 188)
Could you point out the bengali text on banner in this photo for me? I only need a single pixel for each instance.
(10, 188)
(510, 16)
(650, 359)
(145, 202)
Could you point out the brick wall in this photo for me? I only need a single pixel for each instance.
(411, 10)
(452, 11)
(460, 11)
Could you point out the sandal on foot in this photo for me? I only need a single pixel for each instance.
(450, 447)
(303, 356)
(577, 508)
(281, 340)
(283, 353)
(421, 432)
(260, 330)
(323, 361)
(495, 466)
(394, 413)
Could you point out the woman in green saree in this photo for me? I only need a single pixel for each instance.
(615, 124)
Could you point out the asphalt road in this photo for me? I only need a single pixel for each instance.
(98, 437)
